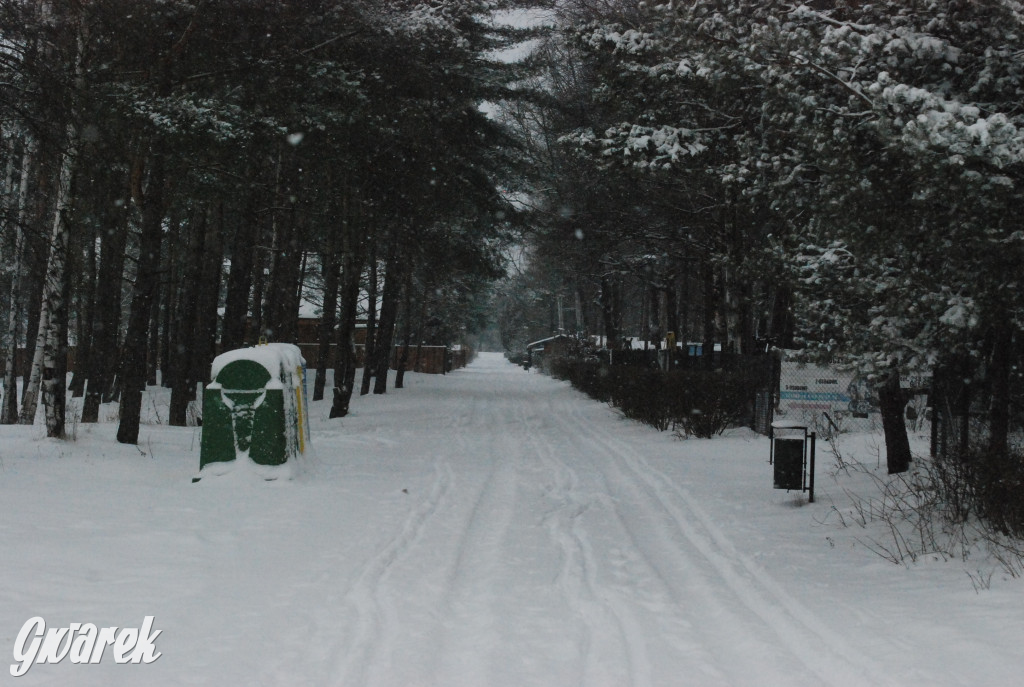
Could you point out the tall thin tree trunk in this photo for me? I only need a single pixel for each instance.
(892, 401)
(107, 320)
(184, 346)
(328, 316)
(54, 354)
(421, 325)
(608, 314)
(280, 300)
(280, 307)
(672, 305)
(291, 319)
(207, 302)
(42, 378)
(254, 331)
(709, 300)
(167, 303)
(403, 360)
(345, 355)
(56, 406)
(9, 412)
(133, 365)
(388, 314)
(153, 342)
(7, 202)
(240, 278)
(999, 371)
(86, 314)
(370, 345)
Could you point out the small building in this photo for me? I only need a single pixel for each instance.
(544, 350)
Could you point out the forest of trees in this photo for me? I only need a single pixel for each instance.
(836, 176)
(173, 174)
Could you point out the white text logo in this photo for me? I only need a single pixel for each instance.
(82, 643)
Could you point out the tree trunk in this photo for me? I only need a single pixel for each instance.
(107, 321)
(999, 370)
(291, 319)
(281, 307)
(153, 343)
(133, 365)
(55, 405)
(709, 299)
(388, 315)
(186, 317)
(892, 401)
(9, 412)
(403, 360)
(254, 330)
(369, 348)
(672, 307)
(421, 325)
(206, 303)
(328, 316)
(167, 300)
(36, 270)
(52, 308)
(86, 314)
(240, 278)
(345, 360)
(781, 326)
(746, 317)
(7, 205)
(608, 314)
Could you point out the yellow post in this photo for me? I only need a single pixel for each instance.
(301, 412)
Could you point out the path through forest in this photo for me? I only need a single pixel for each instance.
(487, 528)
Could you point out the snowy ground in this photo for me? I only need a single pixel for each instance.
(487, 528)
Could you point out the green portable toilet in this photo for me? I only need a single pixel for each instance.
(254, 412)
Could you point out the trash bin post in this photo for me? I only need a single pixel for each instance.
(810, 479)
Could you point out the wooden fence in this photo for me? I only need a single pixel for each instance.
(427, 359)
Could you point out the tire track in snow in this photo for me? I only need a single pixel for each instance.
(471, 630)
(632, 604)
(608, 630)
(356, 655)
(821, 650)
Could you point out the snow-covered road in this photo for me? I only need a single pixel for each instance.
(487, 528)
(547, 551)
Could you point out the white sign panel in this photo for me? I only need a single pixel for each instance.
(806, 391)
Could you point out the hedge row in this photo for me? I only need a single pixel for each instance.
(691, 402)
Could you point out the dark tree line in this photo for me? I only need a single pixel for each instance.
(174, 173)
(838, 177)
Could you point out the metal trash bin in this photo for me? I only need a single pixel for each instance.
(254, 411)
(789, 463)
(792, 457)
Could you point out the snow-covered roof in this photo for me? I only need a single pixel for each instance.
(544, 341)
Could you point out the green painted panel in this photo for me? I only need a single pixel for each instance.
(269, 432)
(243, 374)
(218, 440)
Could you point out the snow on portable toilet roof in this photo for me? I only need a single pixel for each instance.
(273, 357)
